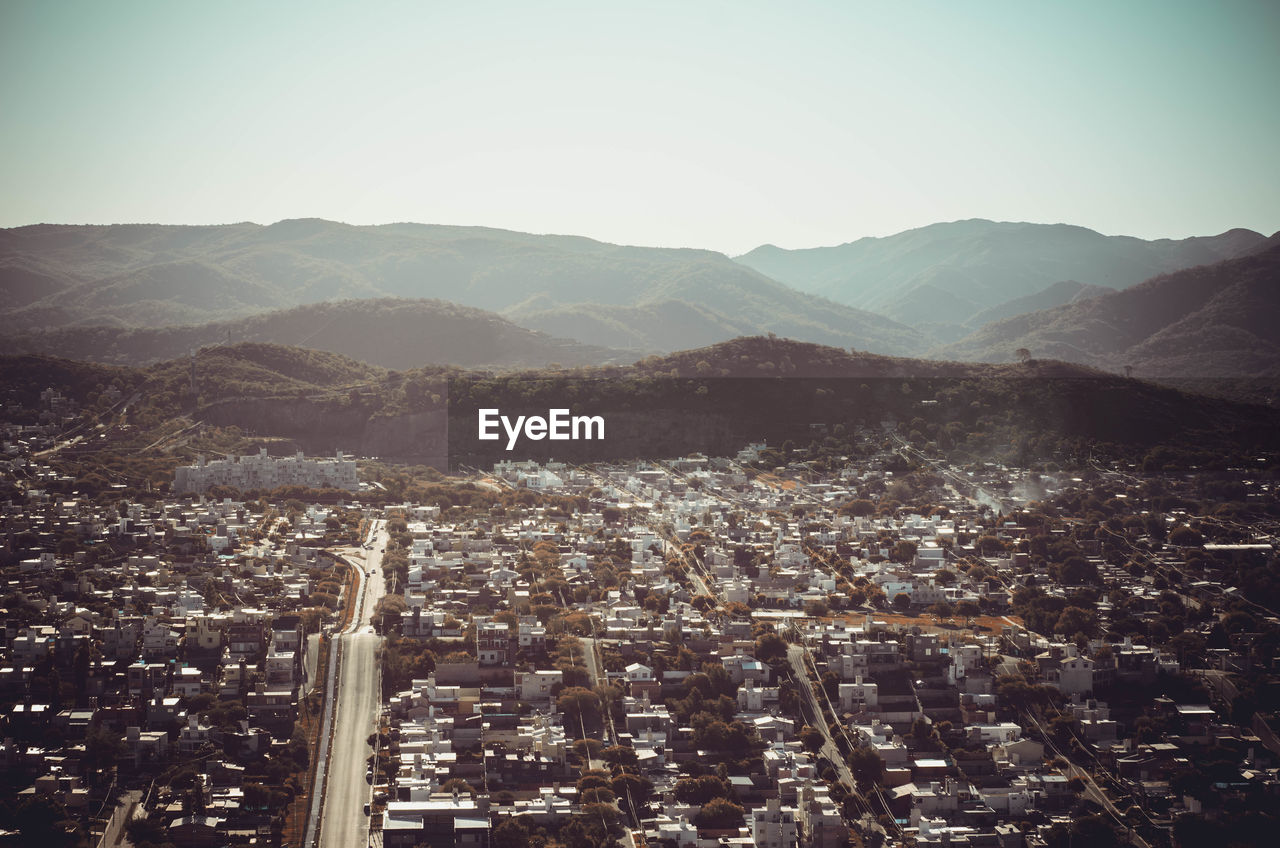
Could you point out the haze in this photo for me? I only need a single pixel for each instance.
(717, 125)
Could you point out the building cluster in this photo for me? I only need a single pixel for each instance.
(139, 638)
(837, 674)
(262, 472)
(960, 762)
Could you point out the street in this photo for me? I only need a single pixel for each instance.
(357, 700)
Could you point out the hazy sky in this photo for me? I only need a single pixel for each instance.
(705, 124)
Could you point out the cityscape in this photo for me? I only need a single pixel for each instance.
(639, 425)
(886, 649)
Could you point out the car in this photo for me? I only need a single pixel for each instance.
(366, 809)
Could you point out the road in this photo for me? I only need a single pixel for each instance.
(796, 655)
(343, 823)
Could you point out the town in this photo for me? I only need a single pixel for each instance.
(693, 651)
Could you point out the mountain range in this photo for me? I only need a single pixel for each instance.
(953, 272)
(647, 299)
(1213, 321)
(406, 295)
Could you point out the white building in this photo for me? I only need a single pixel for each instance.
(774, 826)
(266, 472)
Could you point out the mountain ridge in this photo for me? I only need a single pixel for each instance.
(389, 332)
(167, 274)
(980, 263)
(1209, 321)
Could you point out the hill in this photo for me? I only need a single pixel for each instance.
(389, 332)
(951, 272)
(150, 275)
(1058, 294)
(1214, 321)
(783, 392)
(805, 400)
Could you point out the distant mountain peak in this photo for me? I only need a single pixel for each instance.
(967, 266)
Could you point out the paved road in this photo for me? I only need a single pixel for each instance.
(126, 810)
(342, 820)
(796, 655)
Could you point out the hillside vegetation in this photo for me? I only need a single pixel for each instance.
(806, 400)
(389, 332)
(1214, 321)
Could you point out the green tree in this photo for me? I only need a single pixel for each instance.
(699, 790)
(811, 738)
(1075, 620)
(867, 767)
(770, 646)
(620, 755)
(578, 704)
(102, 749)
(511, 833)
(903, 551)
(632, 789)
(719, 814)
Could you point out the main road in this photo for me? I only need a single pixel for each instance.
(342, 821)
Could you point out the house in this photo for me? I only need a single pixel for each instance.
(538, 685)
(638, 672)
(493, 642)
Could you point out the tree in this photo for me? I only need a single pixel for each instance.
(700, 790)
(770, 646)
(1077, 570)
(147, 833)
(902, 602)
(43, 821)
(904, 551)
(587, 749)
(578, 705)
(1075, 620)
(719, 814)
(620, 755)
(867, 767)
(102, 749)
(859, 507)
(632, 789)
(811, 738)
(1023, 354)
(510, 833)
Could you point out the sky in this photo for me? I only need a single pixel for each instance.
(705, 124)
